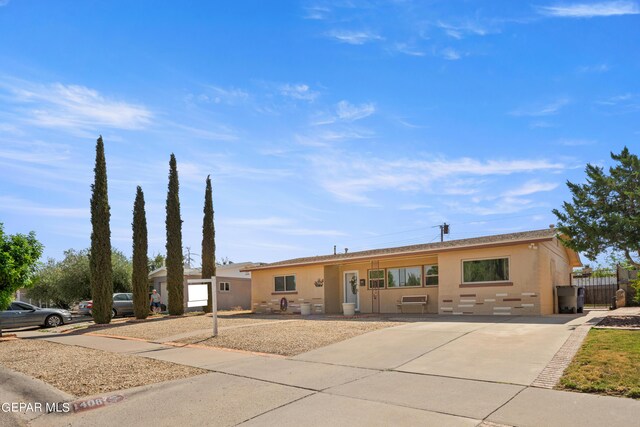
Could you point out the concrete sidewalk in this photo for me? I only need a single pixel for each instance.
(451, 372)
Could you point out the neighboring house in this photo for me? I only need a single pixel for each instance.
(504, 274)
(233, 286)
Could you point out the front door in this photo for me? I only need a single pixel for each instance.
(350, 278)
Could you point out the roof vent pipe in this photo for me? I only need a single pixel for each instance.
(334, 250)
(346, 250)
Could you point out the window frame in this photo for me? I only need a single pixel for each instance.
(226, 288)
(383, 279)
(426, 268)
(508, 280)
(398, 286)
(284, 278)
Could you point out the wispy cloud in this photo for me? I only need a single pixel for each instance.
(351, 112)
(620, 104)
(408, 49)
(220, 95)
(591, 10)
(73, 107)
(25, 207)
(317, 12)
(38, 152)
(575, 142)
(354, 37)
(4, 2)
(542, 110)
(298, 91)
(531, 187)
(352, 181)
(450, 54)
(271, 221)
(596, 68)
(458, 31)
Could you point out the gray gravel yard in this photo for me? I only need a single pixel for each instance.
(82, 371)
(163, 328)
(290, 338)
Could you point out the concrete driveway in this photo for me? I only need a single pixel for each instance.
(444, 371)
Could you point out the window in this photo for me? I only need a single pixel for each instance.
(120, 297)
(404, 277)
(485, 270)
(376, 279)
(285, 283)
(431, 275)
(224, 286)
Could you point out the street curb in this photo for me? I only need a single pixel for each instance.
(17, 387)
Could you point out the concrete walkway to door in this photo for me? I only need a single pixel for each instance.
(445, 371)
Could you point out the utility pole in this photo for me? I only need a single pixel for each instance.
(444, 229)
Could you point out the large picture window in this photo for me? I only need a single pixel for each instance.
(404, 277)
(285, 283)
(376, 279)
(485, 270)
(431, 275)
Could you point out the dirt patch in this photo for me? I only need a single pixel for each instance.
(163, 328)
(620, 322)
(289, 338)
(82, 371)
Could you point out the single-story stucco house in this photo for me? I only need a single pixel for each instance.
(503, 274)
(233, 285)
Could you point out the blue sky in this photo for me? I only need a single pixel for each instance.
(356, 123)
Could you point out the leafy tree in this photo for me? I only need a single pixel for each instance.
(19, 255)
(100, 255)
(156, 262)
(604, 213)
(140, 275)
(45, 284)
(68, 281)
(175, 261)
(208, 243)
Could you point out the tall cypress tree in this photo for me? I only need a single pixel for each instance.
(140, 275)
(208, 243)
(100, 256)
(175, 265)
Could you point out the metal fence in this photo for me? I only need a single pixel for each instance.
(599, 291)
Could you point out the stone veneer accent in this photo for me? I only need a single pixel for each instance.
(496, 303)
(273, 305)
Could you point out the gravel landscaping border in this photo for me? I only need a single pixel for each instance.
(83, 371)
(289, 338)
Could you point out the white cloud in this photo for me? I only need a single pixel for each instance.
(597, 68)
(542, 110)
(450, 54)
(38, 152)
(298, 91)
(4, 2)
(458, 31)
(73, 107)
(408, 49)
(575, 142)
(317, 13)
(531, 187)
(220, 95)
(591, 10)
(354, 37)
(351, 112)
(352, 180)
(28, 208)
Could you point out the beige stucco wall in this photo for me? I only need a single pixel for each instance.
(265, 299)
(520, 296)
(554, 270)
(534, 270)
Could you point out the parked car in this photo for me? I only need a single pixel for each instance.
(21, 314)
(122, 305)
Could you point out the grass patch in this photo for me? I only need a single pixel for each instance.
(607, 363)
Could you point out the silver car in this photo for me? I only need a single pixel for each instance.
(20, 314)
(122, 305)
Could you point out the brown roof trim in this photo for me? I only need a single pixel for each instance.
(430, 248)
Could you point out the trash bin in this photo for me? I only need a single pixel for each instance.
(570, 299)
(305, 309)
